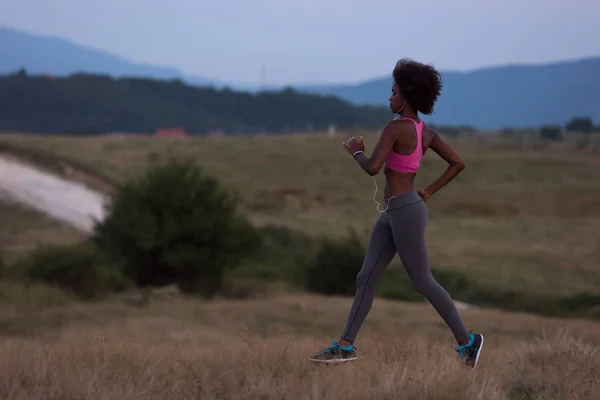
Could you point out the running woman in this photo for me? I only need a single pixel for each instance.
(401, 226)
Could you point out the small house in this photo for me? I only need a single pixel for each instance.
(171, 133)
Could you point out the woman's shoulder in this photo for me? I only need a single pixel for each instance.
(403, 129)
(401, 125)
(428, 135)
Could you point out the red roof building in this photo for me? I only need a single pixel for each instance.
(171, 132)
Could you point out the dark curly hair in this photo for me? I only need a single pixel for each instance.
(420, 84)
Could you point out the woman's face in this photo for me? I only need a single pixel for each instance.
(396, 99)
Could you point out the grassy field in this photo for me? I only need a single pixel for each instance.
(170, 347)
(24, 229)
(21, 231)
(173, 348)
(524, 219)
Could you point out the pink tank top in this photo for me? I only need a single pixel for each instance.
(408, 162)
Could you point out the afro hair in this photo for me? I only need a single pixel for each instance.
(420, 84)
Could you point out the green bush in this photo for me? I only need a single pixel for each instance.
(175, 225)
(283, 255)
(79, 269)
(334, 268)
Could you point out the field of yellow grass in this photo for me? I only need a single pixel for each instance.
(517, 218)
(173, 348)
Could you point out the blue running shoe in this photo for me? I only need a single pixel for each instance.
(470, 352)
(335, 354)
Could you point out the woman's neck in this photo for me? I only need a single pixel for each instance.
(408, 112)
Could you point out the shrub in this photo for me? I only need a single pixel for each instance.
(551, 133)
(581, 124)
(283, 255)
(582, 304)
(175, 225)
(334, 268)
(78, 268)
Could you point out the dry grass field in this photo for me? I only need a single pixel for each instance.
(524, 219)
(518, 218)
(173, 348)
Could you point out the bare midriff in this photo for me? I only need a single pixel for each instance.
(398, 183)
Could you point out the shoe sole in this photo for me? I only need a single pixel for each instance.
(334, 361)
(478, 352)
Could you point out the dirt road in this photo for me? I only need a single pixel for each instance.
(59, 198)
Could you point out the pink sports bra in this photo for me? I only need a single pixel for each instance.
(408, 162)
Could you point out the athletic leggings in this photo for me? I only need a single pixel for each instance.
(401, 229)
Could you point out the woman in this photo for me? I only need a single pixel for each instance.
(401, 226)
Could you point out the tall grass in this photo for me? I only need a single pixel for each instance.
(259, 350)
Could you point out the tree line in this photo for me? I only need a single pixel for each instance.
(90, 103)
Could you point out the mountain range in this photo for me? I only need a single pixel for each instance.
(516, 96)
(46, 54)
(491, 98)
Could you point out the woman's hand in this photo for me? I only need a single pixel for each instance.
(425, 195)
(353, 145)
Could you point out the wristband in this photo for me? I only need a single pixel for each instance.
(356, 152)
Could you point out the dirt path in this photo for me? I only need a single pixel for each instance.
(59, 198)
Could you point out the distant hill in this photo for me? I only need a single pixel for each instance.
(84, 103)
(42, 54)
(489, 98)
(511, 96)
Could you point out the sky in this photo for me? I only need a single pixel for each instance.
(310, 41)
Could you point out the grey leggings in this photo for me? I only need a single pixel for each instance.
(401, 229)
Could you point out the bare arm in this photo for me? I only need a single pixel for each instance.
(455, 163)
(372, 165)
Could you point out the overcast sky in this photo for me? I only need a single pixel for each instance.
(317, 40)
